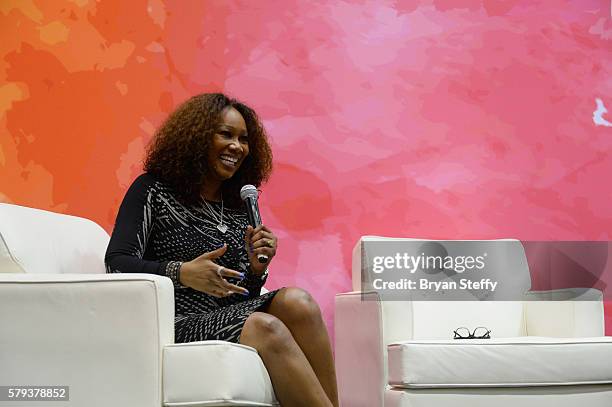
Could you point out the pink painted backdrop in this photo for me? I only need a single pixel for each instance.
(437, 119)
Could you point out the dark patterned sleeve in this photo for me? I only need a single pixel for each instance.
(128, 242)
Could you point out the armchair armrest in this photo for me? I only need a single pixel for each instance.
(215, 373)
(361, 357)
(100, 334)
(565, 313)
(364, 326)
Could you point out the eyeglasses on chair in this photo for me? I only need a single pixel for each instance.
(478, 333)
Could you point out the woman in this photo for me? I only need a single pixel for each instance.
(183, 218)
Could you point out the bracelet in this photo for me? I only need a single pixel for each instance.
(261, 276)
(173, 271)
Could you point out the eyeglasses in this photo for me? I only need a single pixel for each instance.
(478, 333)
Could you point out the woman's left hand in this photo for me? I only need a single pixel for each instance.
(260, 240)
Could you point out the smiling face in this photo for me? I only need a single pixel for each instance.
(229, 145)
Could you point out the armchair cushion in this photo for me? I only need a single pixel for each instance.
(37, 241)
(565, 313)
(215, 373)
(504, 318)
(551, 396)
(500, 362)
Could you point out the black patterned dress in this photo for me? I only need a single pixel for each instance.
(154, 230)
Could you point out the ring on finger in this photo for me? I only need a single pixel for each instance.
(219, 270)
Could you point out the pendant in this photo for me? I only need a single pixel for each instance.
(222, 228)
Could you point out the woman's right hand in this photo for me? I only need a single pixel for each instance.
(203, 274)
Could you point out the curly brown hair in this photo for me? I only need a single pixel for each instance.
(177, 153)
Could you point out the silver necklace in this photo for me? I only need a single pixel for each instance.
(220, 226)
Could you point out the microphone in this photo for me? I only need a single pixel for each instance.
(249, 195)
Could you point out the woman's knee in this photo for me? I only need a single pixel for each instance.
(263, 331)
(296, 305)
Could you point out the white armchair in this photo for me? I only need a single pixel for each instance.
(109, 337)
(542, 353)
